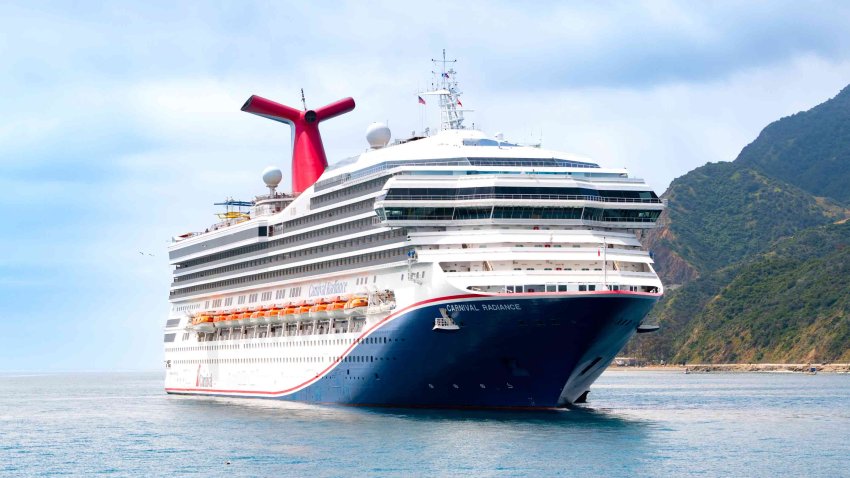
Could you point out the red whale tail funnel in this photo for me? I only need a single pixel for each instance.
(308, 153)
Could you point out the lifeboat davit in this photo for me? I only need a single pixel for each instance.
(356, 306)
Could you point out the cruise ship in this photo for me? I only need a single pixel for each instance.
(445, 269)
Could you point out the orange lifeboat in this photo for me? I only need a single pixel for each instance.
(336, 308)
(304, 309)
(290, 311)
(356, 306)
(256, 317)
(319, 310)
(271, 316)
(219, 321)
(230, 318)
(204, 322)
(243, 317)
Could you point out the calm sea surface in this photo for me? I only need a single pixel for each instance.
(637, 424)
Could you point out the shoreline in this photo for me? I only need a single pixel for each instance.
(739, 368)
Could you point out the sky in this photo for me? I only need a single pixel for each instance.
(120, 122)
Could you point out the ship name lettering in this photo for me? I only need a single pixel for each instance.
(335, 287)
(481, 307)
(494, 307)
(462, 308)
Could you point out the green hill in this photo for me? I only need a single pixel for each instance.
(720, 213)
(790, 304)
(761, 249)
(810, 149)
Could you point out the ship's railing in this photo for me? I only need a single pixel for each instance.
(488, 162)
(567, 197)
(500, 220)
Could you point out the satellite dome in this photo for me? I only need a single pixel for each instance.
(272, 176)
(378, 135)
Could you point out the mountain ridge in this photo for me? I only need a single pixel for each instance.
(757, 250)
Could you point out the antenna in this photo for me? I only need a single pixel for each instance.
(446, 88)
(303, 100)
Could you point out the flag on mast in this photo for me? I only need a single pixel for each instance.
(459, 103)
(421, 101)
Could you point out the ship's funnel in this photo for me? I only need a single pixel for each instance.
(308, 153)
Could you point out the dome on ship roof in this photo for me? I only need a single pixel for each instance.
(272, 176)
(378, 135)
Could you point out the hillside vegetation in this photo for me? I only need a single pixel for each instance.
(761, 248)
(810, 149)
(790, 304)
(720, 213)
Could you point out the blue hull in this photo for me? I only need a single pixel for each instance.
(528, 352)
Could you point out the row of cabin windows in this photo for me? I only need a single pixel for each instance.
(283, 344)
(248, 360)
(324, 216)
(518, 212)
(310, 251)
(288, 343)
(526, 162)
(562, 288)
(186, 307)
(510, 191)
(357, 225)
(306, 269)
(354, 190)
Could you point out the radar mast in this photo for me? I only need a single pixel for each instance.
(445, 86)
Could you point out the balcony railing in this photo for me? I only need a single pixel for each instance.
(560, 197)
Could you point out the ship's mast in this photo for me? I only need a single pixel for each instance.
(445, 86)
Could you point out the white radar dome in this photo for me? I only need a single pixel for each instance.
(378, 135)
(272, 176)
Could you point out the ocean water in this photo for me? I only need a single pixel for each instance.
(636, 424)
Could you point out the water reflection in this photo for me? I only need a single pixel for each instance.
(635, 425)
(283, 410)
